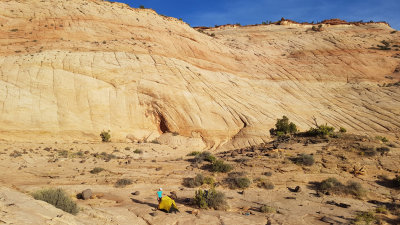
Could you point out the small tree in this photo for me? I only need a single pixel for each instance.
(283, 127)
(105, 136)
(141, 7)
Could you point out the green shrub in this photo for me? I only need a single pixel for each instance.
(320, 131)
(220, 166)
(368, 151)
(304, 159)
(365, 218)
(63, 153)
(210, 199)
(267, 209)
(264, 183)
(96, 170)
(236, 181)
(123, 182)
(107, 157)
(342, 130)
(381, 209)
(197, 181)
(194, 153)
(283, 127)
(204, 156)
(200, 199)
(138, 151)
(332, 185)
(58, 198)
(383, 139)
(141, 7)
(105, 136)
(155, 141)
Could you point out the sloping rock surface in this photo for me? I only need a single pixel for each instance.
(70, 69)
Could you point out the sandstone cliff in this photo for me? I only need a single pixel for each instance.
(70, 69)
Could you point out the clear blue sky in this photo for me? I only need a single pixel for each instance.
(210, 13)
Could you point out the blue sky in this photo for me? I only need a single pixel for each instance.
(210, 13)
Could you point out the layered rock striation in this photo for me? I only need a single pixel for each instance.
(70, 69)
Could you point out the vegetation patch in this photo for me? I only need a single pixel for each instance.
(138, 151)
(381, 138)
(320, 131)
(194, 153)
(15, 154)
(155, 141)
(237, 181)
(58, 198)
(107, 157)
(283, 127)
(96, 170)
(197, 181)
(304, 160)
(221, 167)
(204, 156)
(264, 183)
(206, 199)
(333, 186)
(267, 209)
(365, 218)
(123, 182)
(105, 136)
(368, 151)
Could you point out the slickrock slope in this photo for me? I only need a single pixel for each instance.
(70, 69)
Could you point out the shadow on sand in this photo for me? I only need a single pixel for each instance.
(145, 203)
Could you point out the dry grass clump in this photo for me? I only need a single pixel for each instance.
(105, 136)
(267, 209)
(365, 218)
(58, 198)
(333, 186)
(264, 183)
(237, 181)
(221, 167)
(138, 151)
(304, 159)
(197, 181)
(210, 199)
(204, 156)
(123, 182)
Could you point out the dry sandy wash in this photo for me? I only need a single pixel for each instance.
(72, 68)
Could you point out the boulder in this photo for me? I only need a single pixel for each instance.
(87, 194)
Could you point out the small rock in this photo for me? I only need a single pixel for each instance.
(86, 194)
(195, 212)
(297, 189)
(153, 213)
(136, 193)
(158, 168)
(234, 153)
(328, 220)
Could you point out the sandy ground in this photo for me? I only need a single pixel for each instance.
(27, 167)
